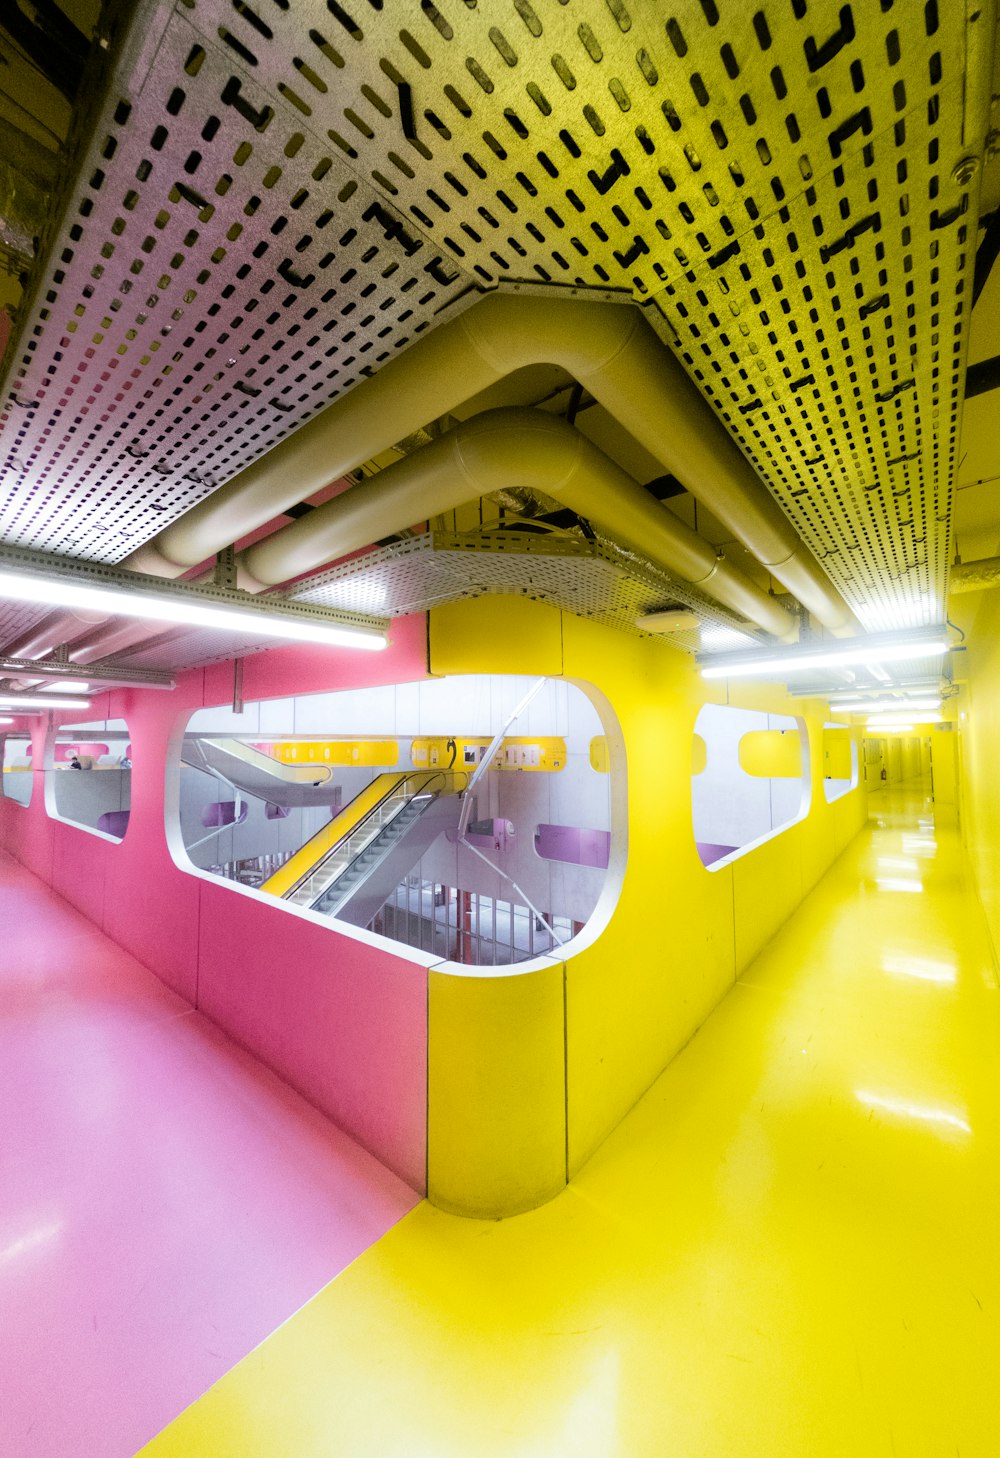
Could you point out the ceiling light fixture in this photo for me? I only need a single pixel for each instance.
(886, 706)
(897, 716)
(897, 723)
(160, 601)
(12, 702)
(886, 648)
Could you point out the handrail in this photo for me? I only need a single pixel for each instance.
(343, 822)
(428, 781)
(248, 754)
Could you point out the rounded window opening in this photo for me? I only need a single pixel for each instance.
(17, 775)
(467, 817)
(89, 779)
(749, 780)
(840, 762)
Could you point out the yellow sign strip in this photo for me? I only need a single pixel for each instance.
(359, 752)
(545, 754)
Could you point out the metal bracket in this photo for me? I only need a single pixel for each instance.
(108, 675)
(224, 574)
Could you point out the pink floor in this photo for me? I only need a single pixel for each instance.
(165, 1202)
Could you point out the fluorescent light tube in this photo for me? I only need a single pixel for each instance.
(6, 721)
(165, 607)
(885, 706)
(845, 655)
(896, 716)
(42, 701)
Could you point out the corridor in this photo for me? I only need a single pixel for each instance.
(788, 1248)
(165, 1201)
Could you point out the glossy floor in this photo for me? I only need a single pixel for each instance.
(788, 1250)
(165, 1202)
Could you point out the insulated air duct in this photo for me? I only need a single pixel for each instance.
(512, 447)
(975, 576)
(608, 348)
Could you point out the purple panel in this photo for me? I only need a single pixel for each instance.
(114, 822)
(276, 812)
(574, 845)
(709, 851)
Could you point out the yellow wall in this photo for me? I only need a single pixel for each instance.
(634, 993)
(943, 743)
(771, 754)
(979, 779)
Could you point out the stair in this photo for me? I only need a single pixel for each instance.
(340, 888)
(348, 869)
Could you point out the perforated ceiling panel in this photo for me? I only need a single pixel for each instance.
(16, 618)
(224, 275)
(286, 193)
(832, 338)
(594, 580)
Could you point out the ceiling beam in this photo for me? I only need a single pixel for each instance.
(105, 675)
(982, 377)
(986, 255)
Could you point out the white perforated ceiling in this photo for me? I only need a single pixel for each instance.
(592, 579)
(281, 195)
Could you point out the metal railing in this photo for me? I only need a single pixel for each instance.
(251, 870)
(481, 932)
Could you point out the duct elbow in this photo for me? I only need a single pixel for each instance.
(582, 337)
(518, 446)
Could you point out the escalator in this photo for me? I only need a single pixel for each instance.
(350, 866)
(258, 774)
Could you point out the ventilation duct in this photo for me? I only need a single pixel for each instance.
(975, 576)
(510, 448)
(610, 349)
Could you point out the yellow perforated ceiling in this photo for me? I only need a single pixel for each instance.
(281, 195)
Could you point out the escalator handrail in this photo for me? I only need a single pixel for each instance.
(255, 759)
(436, 779)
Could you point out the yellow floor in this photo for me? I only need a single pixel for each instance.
(790, 1247)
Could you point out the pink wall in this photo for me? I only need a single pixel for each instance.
(342, 1022)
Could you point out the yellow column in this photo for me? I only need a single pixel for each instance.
(496, 1086)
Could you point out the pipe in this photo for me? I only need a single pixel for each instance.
(51, 632)
(608, 348)
(500, 448)
(118, 635)
(975, 576)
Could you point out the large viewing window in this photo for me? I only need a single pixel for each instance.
(362, 806)
(90, 776)
(17, 775)
(750, 779)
